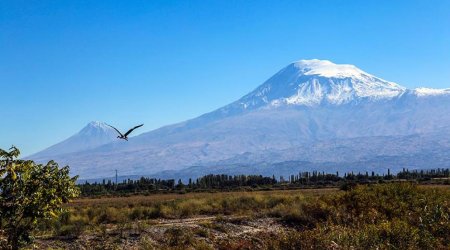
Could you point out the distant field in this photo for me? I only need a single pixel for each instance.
(154, 198)
(384, 216)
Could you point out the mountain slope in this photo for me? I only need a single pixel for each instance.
(305, 103)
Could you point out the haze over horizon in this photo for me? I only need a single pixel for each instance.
(65, 64)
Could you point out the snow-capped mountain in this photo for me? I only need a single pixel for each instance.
(318, 83)
(315, 111)
(314, 82)
(91, 136)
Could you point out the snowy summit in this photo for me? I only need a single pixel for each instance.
(314, 82)
(321, 82)
(96, 127)
(326, 68)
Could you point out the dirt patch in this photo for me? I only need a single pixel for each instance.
(205, 232)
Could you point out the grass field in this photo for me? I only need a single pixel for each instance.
(385, 216)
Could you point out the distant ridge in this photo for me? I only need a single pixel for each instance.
(333, 116)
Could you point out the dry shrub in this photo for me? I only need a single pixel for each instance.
(387, 216)
(111, 215)
(176, 236)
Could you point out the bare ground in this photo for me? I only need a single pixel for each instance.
(202, 232)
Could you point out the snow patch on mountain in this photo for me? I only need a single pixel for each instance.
(96, 127)
(326, 68)
(431, 92)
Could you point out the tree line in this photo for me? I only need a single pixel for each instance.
(232, 182)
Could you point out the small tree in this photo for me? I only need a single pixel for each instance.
(29, 192)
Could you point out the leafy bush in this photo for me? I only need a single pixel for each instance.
(30, 193)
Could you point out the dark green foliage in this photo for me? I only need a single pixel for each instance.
(29, 193)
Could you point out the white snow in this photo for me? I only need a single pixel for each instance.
(311, 82)
(431, 92)
(99, 125)
(308, 94)
(326, 68)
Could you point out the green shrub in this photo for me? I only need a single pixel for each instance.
(201, 232)
(176, 236)
(136, 213)
(74, 229)
(111, 215)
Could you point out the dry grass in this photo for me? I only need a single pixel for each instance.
(396, 215)
(155, 198)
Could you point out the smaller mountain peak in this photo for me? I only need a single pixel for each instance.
(96, 124)
(92, 135)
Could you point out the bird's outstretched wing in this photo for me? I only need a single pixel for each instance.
(115, 130)
(131, 130)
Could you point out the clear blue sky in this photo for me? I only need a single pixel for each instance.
(65, 63)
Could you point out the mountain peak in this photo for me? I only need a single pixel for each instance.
(311, 83)
(94, 134)
(327, 68)
(314, 82)
(98, 124)
(96, 127)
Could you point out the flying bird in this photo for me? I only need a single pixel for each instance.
(125, 136)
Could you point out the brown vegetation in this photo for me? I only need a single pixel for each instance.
(384, 216)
